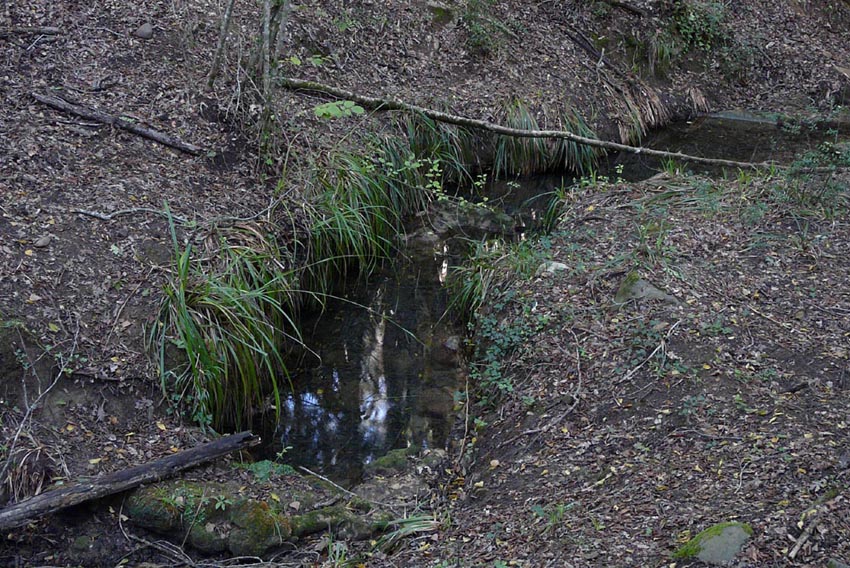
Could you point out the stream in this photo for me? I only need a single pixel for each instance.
(386, 365)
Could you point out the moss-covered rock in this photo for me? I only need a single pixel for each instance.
(256, 528)
(153, 509)
(393, 462)
(344, 523)
(718, 544)
(212, 520)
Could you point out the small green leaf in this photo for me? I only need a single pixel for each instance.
(53, 327)
(295, 60)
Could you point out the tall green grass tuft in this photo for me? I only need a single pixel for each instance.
(230, 314)
(358, 202)
(567, 155)
(524, 156)
(519, 156)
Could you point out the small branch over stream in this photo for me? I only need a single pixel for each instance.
(21, 513)
(390, 104)
(122, 122)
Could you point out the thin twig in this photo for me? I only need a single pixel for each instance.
(661, 345)
(30, 408)
(121, 122)
(804, 536)
(343, 489)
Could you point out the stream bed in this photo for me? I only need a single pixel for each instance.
(386, 366)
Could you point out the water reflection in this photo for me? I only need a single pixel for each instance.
(384, 377)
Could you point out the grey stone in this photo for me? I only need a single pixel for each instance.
(550, 267)
(635, 288)
(145, 31)
(717, 545)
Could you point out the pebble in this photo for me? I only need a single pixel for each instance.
(42, 242)
(145, 31)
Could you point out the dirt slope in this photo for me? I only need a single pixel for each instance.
(85, 287)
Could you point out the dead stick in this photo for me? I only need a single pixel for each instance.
(6, 32)
(21, 513)
(390, 104)
(807, 532)
(121, 122)
(110, 216)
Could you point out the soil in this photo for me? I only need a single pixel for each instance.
(641, 460)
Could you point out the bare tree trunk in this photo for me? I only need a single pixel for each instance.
(279, 19)
(222, 40)
(265, 64)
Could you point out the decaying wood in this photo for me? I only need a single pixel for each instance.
(121, 122)
(390, 104)
(21, 513)
(6, 32)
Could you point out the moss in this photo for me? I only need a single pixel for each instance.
(393, 461)
(151, 508)
(257, 527)
(693, 547)
(339, 519)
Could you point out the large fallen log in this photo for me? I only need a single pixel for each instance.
(21, 513)
(122, 122)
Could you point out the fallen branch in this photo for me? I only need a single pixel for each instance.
(122, 122)
(390, 104)
(21, 513)
(804, 536)
(6, 32)
(110, 216)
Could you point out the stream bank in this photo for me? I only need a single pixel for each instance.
(85, 287)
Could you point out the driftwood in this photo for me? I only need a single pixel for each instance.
(21, 513)
(121, 122)
(6, 32)
(390, 104)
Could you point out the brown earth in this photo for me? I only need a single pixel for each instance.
(84, 288)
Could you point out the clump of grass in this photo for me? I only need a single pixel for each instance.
(358, 202)
(490, 266)
(519, 156)
(568, 155)
(522, 156)
(230, 313)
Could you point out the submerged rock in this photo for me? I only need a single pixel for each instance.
(717, 545)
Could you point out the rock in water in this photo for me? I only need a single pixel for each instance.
(145, 31)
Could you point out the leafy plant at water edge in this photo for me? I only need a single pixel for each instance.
(230, 313)
(263, 470)
(338, 109)
(490, 266)
(569, 155)
(359, 201)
